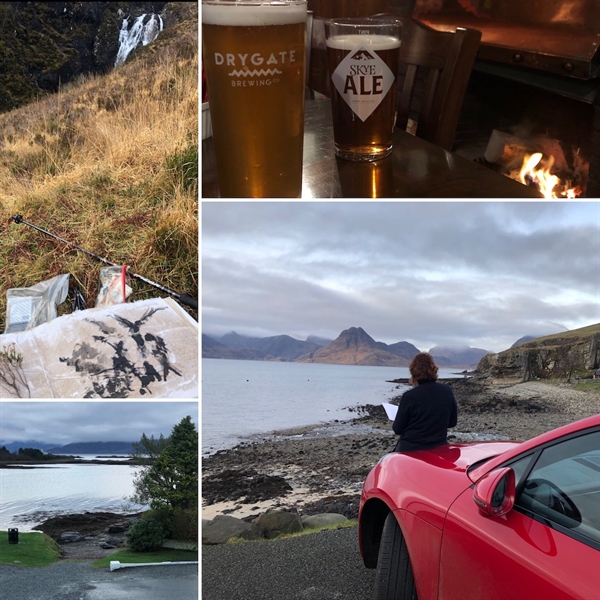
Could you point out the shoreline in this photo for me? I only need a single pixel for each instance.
(320, 468)
(35, 464)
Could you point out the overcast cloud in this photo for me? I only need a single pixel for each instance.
(481, 274)
(68, 422)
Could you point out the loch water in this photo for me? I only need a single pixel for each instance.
(243, 400)
(31, 495)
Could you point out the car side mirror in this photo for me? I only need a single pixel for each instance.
(494, 493)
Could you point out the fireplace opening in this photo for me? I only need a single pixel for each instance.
(504, 122)
(535, 84)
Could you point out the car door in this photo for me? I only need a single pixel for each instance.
(547, 546)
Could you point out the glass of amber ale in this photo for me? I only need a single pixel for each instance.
(254, 58)
(362, 56)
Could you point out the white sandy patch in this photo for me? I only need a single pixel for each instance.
(238, 510)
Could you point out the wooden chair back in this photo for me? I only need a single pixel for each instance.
(435, 67)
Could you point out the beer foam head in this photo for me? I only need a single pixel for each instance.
(351, 41)
(253, 14)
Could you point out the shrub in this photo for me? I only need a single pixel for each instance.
(145, 535)
(185, 524)
(164, 516)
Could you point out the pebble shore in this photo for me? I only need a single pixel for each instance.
(321, 468)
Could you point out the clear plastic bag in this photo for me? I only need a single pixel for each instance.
(113, 286)
(29, 307)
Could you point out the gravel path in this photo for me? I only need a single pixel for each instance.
(320, 566)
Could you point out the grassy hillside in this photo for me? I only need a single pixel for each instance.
(111, 164)
(558, 339)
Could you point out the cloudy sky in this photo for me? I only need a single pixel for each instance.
(481, 274)
(69, 422)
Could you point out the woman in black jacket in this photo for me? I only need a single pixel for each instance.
(426, 411)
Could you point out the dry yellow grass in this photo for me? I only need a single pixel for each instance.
(109, 163)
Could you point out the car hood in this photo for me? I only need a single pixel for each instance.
(457, 457)
(426, 482)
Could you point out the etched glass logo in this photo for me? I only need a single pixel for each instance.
(255, 70)
(363, 79)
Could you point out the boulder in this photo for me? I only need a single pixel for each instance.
(67, 537)
(224, 528)
(277, 522)
(322, 520)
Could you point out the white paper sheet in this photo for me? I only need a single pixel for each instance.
(390, 409)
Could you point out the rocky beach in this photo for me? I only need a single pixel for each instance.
(320, 469)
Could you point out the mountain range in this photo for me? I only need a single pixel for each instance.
(73, 448)
(354, 346)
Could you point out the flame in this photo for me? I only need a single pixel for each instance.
(547, 183)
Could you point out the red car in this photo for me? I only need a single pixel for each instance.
(487, 521)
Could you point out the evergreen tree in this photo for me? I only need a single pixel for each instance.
(172, 480)
(148, 449)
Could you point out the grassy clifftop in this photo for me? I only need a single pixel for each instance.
(562, 356)
(109, 163)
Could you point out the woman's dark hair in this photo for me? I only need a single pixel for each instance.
(422, 368)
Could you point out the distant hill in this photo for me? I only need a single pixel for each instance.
(550, 330)
(213, 349)
(93, 448)
(457, 356)
(282, 347)
(403, 349)
(522, 340)
(319, 341)
(14, 446)
(356, 347)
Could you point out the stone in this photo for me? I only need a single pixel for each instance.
(277, 522)
(224, 528)
(116, 529)
(67, 537)
(323, 520)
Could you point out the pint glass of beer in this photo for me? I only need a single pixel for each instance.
(254, 58)
(363, 62)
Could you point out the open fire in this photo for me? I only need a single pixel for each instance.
(536, 170)
(539, 161)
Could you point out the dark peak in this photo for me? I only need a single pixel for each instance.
(356, 336)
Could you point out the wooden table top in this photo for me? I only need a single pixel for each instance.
(415, 169)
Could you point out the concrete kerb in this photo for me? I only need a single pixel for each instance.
(115, 564)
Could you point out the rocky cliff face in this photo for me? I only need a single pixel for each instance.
(562, 356)
(45, 45)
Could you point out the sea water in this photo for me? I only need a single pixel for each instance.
(29, 496)
(242, 399)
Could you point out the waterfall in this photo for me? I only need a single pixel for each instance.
(140, 33)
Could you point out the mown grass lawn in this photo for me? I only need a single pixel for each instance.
(33, 550)
(162, 555)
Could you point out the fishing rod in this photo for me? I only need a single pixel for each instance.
(183, 298)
